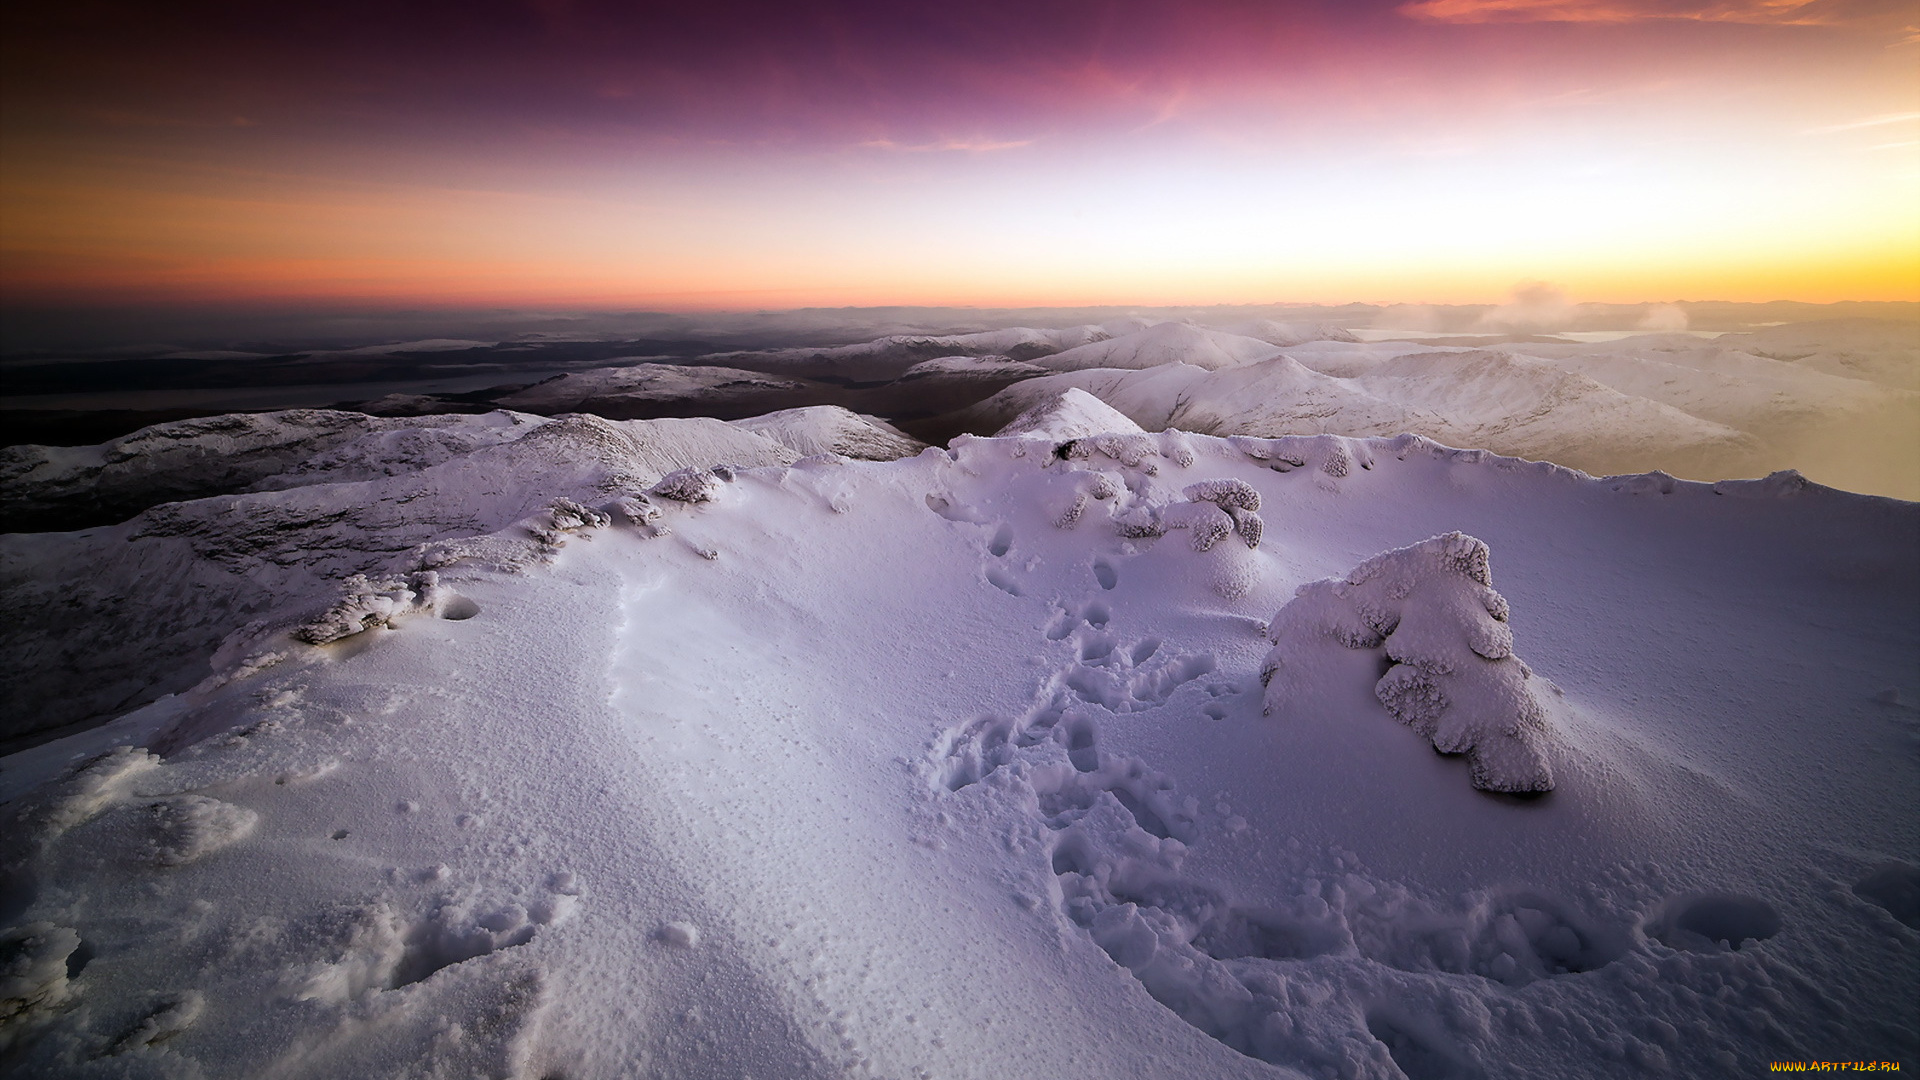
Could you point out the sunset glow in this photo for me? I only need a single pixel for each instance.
(766, 156)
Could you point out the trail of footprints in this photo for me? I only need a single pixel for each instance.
(1258, 977)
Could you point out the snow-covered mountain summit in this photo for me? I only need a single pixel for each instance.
(598, 748)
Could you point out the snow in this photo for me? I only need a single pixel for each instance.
(961, 765)
(830, 429)
(1430, 610)
(512, 746)
(1068, 414)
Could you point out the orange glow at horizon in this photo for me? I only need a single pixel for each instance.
(1379, 167)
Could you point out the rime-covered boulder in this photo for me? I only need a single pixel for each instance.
(1431, 610)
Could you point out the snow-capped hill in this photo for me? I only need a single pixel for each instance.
(1069, 414)
(613, 386)
(1725, 385)
(1518, 406)
(1270, 397)
(1878, 350)
(1166, 343)
(1536, 409)
(1287, 335)
(974, 367)
(830, 429)
(961, 765)
(1280, 396)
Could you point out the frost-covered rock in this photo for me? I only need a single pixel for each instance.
(364, 604)
(1214, 510)
(569, 516)
(1095, 486)
(689, 486)
(1224, 494)
(1431, 609)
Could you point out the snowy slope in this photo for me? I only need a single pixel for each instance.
(101, 620)
(830, 429)
(1877, 350)
(1068, 414)
(962, 765)
(1532, 408)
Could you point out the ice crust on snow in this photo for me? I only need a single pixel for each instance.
(1430, 609)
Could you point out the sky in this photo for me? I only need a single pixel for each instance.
(757, 155)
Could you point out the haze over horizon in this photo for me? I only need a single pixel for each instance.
(762, 156)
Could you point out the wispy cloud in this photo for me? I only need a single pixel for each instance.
(971, 146)
(1767, 12)
(1869, 122)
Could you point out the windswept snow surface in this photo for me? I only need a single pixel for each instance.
(960, 766)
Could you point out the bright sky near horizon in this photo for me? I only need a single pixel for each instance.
(770, 154)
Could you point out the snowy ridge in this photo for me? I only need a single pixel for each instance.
(830, 429)
(574, 796)
(1163, 344)
(1068, 414)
